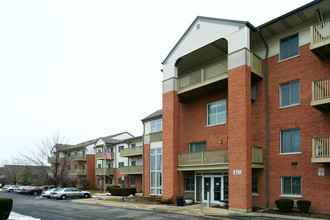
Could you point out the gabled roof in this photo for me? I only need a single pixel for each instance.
(200, 18)
(154, 115)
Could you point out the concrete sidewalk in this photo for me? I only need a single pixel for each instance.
(195, 209)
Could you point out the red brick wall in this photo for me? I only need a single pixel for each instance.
(146, 171)
(90, 164)
(313, 123)
(170, 144)
(240, 138)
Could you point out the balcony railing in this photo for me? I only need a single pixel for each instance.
(131, 169)
(256, 65)
(321, 93)
(321, 150)
(100, 171)
(209, 159)
(77, 172)
(77, 157)
(320, 39)
(101, 156)
(133, 151)
(53, 160)
(206, 75)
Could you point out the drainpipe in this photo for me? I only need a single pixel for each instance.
(267, 120)
(143, 160)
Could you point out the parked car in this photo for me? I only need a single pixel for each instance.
(11, 188)
(33, 190)
(23, 189)
(48, 192)
(5, 187)
(64, 193)
(47, 187)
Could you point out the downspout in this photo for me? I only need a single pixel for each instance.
(267, 120)
(143, 159)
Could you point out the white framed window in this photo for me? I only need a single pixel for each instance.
(290, 141)
(189, 184)
(99, 182)
(156, 126)
(120, 164)
(133, 163)
(291, 185)
(120, 148)
(99, 150)
(290, 93)
(69, 167)
(133, 145)
(289, 46)
(156, 171)
(84, 166)
(217, 113)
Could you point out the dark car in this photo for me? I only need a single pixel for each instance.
(34, 190)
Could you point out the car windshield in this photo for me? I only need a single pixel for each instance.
(58, 189)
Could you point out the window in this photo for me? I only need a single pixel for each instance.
(110, 165)
(111, 149)
(112, 182)
(189, 184)
(197, 147)
(75, 166)
(216, 113)
(156, 126)
(69, 167)
(289, 46)
(84, 152)
(120, 181)
(99, 181)
(132, 181)
(254, 184)
(69, 154)
(84, 166)
(290, 141)
(133, 145)
(290, 93)
(133, 163)
(120, 164)
(291, 185)
(120, 147)
(156, 171)
(99, 150)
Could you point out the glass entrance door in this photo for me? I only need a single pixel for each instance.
(217, 189)
(213, 184)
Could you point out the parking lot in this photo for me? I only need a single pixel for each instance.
(52, 209)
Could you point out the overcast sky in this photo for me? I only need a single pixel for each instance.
(88, 69)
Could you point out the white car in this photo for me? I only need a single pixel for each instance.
(64, 193)
(48, 192)
(11, 188)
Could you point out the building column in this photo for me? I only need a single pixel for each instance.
(170, 140)
(239, 129)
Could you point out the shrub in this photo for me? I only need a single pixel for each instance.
(5, 208)
(116, 191)
(304, 205)
(284, 205)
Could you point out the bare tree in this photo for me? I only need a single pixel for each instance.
(47, 156)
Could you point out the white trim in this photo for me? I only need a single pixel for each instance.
(290, 153)
(289, 106)
(289, 58)
(280, 94)
(207, 113)
(255, 194)
(291, 196)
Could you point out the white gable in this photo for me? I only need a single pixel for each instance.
(202, 32)
(99, 142)
(122, 136)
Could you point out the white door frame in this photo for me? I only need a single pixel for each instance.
(212, 188)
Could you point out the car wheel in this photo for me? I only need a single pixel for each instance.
(10, 190)
(35, 193)
(86, 195)
(63, 197)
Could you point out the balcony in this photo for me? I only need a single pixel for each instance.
(100, 171)
(320, 39)
(53, 160)
(77, 157)
(211, 77)
(213, 159)
(321, 150)
(130, 152)
(321, 94)
(77, 172)
(131, 169)
(101, 156)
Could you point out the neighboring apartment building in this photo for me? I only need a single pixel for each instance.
(88, 161)
(246, 113)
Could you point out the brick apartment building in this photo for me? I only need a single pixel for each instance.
(88, 161)
(246, 113)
